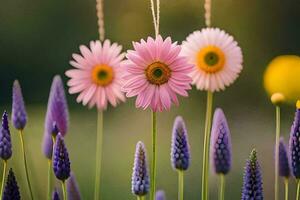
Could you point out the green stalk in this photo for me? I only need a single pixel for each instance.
(222, 187)
(153, 162)
(3, 177)
(180, 184)
(140, 197)
(49, 179)
(25, 163)
(98, 155)
(277, 151)
(298, 190)
(286, 188)
(205, 170)
(63, 185)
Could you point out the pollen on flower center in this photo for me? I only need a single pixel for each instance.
(210, 59)
(102, 75)
(158, 73)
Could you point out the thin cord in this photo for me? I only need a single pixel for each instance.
(154, 17)
(100, 15)
(157, 16)
(207, 15)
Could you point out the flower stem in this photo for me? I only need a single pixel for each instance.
(298, 190)
(153, 163)
(286, 188)
(222, 187)
(25, 163)
(63, 185)
(180, 184)
(98, 154)
(140, 197)
(277, 151)
(49, 179)
(3, 177)
(205, 170)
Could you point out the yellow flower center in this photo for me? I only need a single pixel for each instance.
(210, 59)
(102, 75)
(158, 73)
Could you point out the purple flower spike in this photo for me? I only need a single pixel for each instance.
(55, 129)
(11, 190)
(295, 145)
(72, 188)
(252, 186)
(57, 110)
(55, 195)
(47, 146)
(180, 151)
(5, 140)
(284, 166)
(160, 195)
(220, 144)
(61, 162)
(19, 115)
(140, 177)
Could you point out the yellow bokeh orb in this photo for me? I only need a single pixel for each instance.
(283, 76)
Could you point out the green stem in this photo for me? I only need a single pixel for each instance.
(222, 187)
(205, 170)
(140, 197)
(286, 188)
(63, 185)
(98, 154)
(49, 179)
(298, 190)
(180, 184)
(3, 177)
(153, 163)
(25, 163)
(277, 151)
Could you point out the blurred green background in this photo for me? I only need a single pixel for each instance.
(38, 37)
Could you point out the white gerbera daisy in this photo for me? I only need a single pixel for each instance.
(216, 57)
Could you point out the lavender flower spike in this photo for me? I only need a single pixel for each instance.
(55, 195)
(220, 144)
(61, 162)
(295, 144)
(48, 141)
(5, 139)
(160, 195)
(180, 151)
(252, 186)
(284, 165)
(73, 192)
(19, 115)
(11, 190)
(57, 110)
(140, 176)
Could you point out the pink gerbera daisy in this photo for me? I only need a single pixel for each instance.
(97, 76)
(156, 73)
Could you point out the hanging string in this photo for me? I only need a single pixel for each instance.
(207, 15)
(100, 15)
(155, 15)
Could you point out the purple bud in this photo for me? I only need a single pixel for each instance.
(55, 129)
(180, 151)
(220, 143)
(72, 188)
(47, 146)
(11, 190)
(57, 110)
(55, 195)
(160, 195)
(295, 145)
(5, 139)
(140, 181)
(252, 186)
(19, 115)
(61, 162)
(284, 166)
